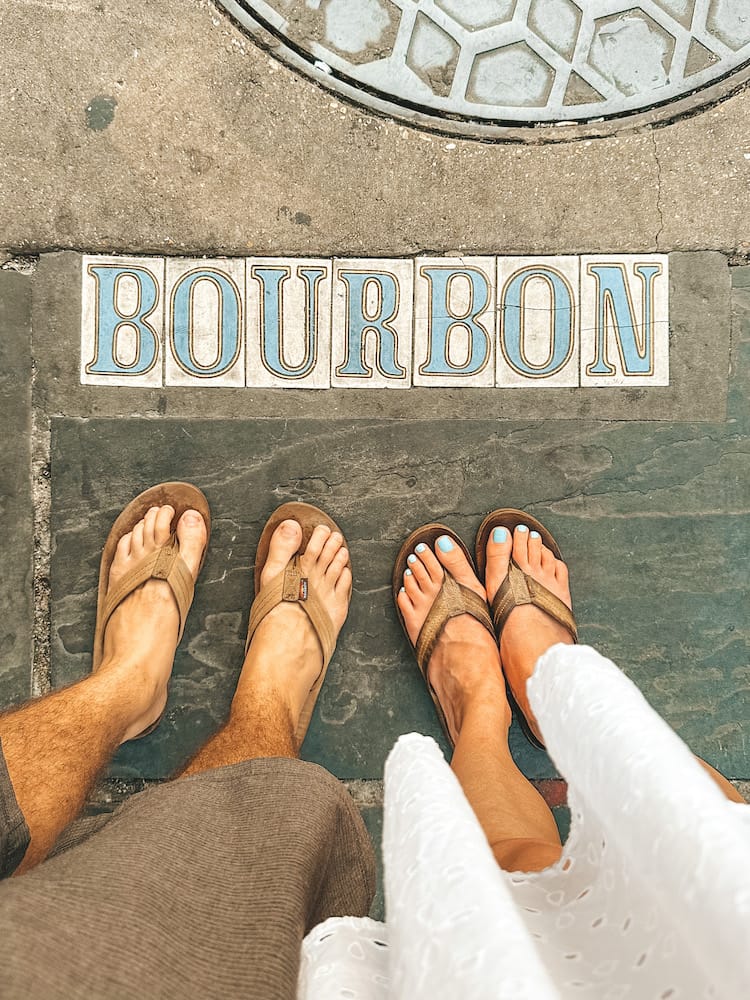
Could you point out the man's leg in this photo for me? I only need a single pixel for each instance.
(466, 675)
(56, 746)
(285, 658)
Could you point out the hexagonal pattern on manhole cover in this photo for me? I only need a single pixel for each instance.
(478, 66)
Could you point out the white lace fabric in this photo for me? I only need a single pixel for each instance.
(651, 898)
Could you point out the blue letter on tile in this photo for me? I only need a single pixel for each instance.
(358, 324)
(109, 321)
(272, 281)
(442, 321)
(613, 301)
(512, 333)
(228, 344)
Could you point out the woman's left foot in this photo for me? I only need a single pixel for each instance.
(465, 661)
(528, 631)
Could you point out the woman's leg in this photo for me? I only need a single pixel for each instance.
(465, 673)
(529, 632)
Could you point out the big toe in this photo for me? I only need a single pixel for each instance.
(285, 541)
(452, 557)
(192, 534)
(499, 548)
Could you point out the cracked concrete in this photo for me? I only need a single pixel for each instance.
(214, 146)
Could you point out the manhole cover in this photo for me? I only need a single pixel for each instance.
(480, 66)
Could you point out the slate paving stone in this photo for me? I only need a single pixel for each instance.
(16, 528)
(652, 517)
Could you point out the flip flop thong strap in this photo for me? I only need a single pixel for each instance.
(165, 563)
(291, 586)
(454, 599)
(518, 588)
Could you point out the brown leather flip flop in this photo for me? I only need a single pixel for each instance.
(163, 564)
(519, 588)
(292, 586)
(452, 600)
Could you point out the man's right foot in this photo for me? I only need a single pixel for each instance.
(285, 655)
(528, 631)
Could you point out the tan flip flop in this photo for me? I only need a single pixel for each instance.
(290, 585)
(163, 564)
(519, 588)
(453, 599)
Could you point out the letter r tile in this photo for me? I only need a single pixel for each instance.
(454, 321)
(372, 323)
(122, 320)
(288, 322)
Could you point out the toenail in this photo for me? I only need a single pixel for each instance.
(445, 544)
(407, 572)
(192, 517)
(403, 590)
(499, 535)
(522, 527)
(535, 534)
(421, 547)
(289, 528)
(411, 559)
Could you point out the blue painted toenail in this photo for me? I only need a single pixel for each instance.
(403, 590)
(421, 547)
(411, 559)
(522, 527)
(407, 572)
(445, 544)
(499, 535)
(535, 534)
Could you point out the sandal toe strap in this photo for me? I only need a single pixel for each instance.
(518, 588)
(453, 600)
(165, 563)
(291, 586)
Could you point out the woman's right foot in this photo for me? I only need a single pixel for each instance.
(528, 631)
(465, 664)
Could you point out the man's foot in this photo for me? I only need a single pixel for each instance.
(465, 662)
(141, 635)
(529, 631)
(285, 655)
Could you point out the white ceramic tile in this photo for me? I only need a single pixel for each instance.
(454, 321)
(538, 322)
(205, 330)
(625, 328)
(289, 322)
(371, 340)
(122, 320)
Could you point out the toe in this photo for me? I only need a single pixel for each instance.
(535, 551)
(285, 541)
(163, 524)
(420, 572)
(521, 546)
(192, 534)
(149, 523)
(430, 562)
(499, 546)
(337, 564)
(315, 546)
(343, 585)
(330, 550)
(453, 559)
(137, 540)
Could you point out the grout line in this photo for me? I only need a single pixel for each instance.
(41, 491)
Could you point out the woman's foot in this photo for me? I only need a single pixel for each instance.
(141, 635)
(465, 663)
(285, 654)
(528, 631)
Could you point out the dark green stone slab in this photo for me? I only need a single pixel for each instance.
(651, 516)
(16, 533)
